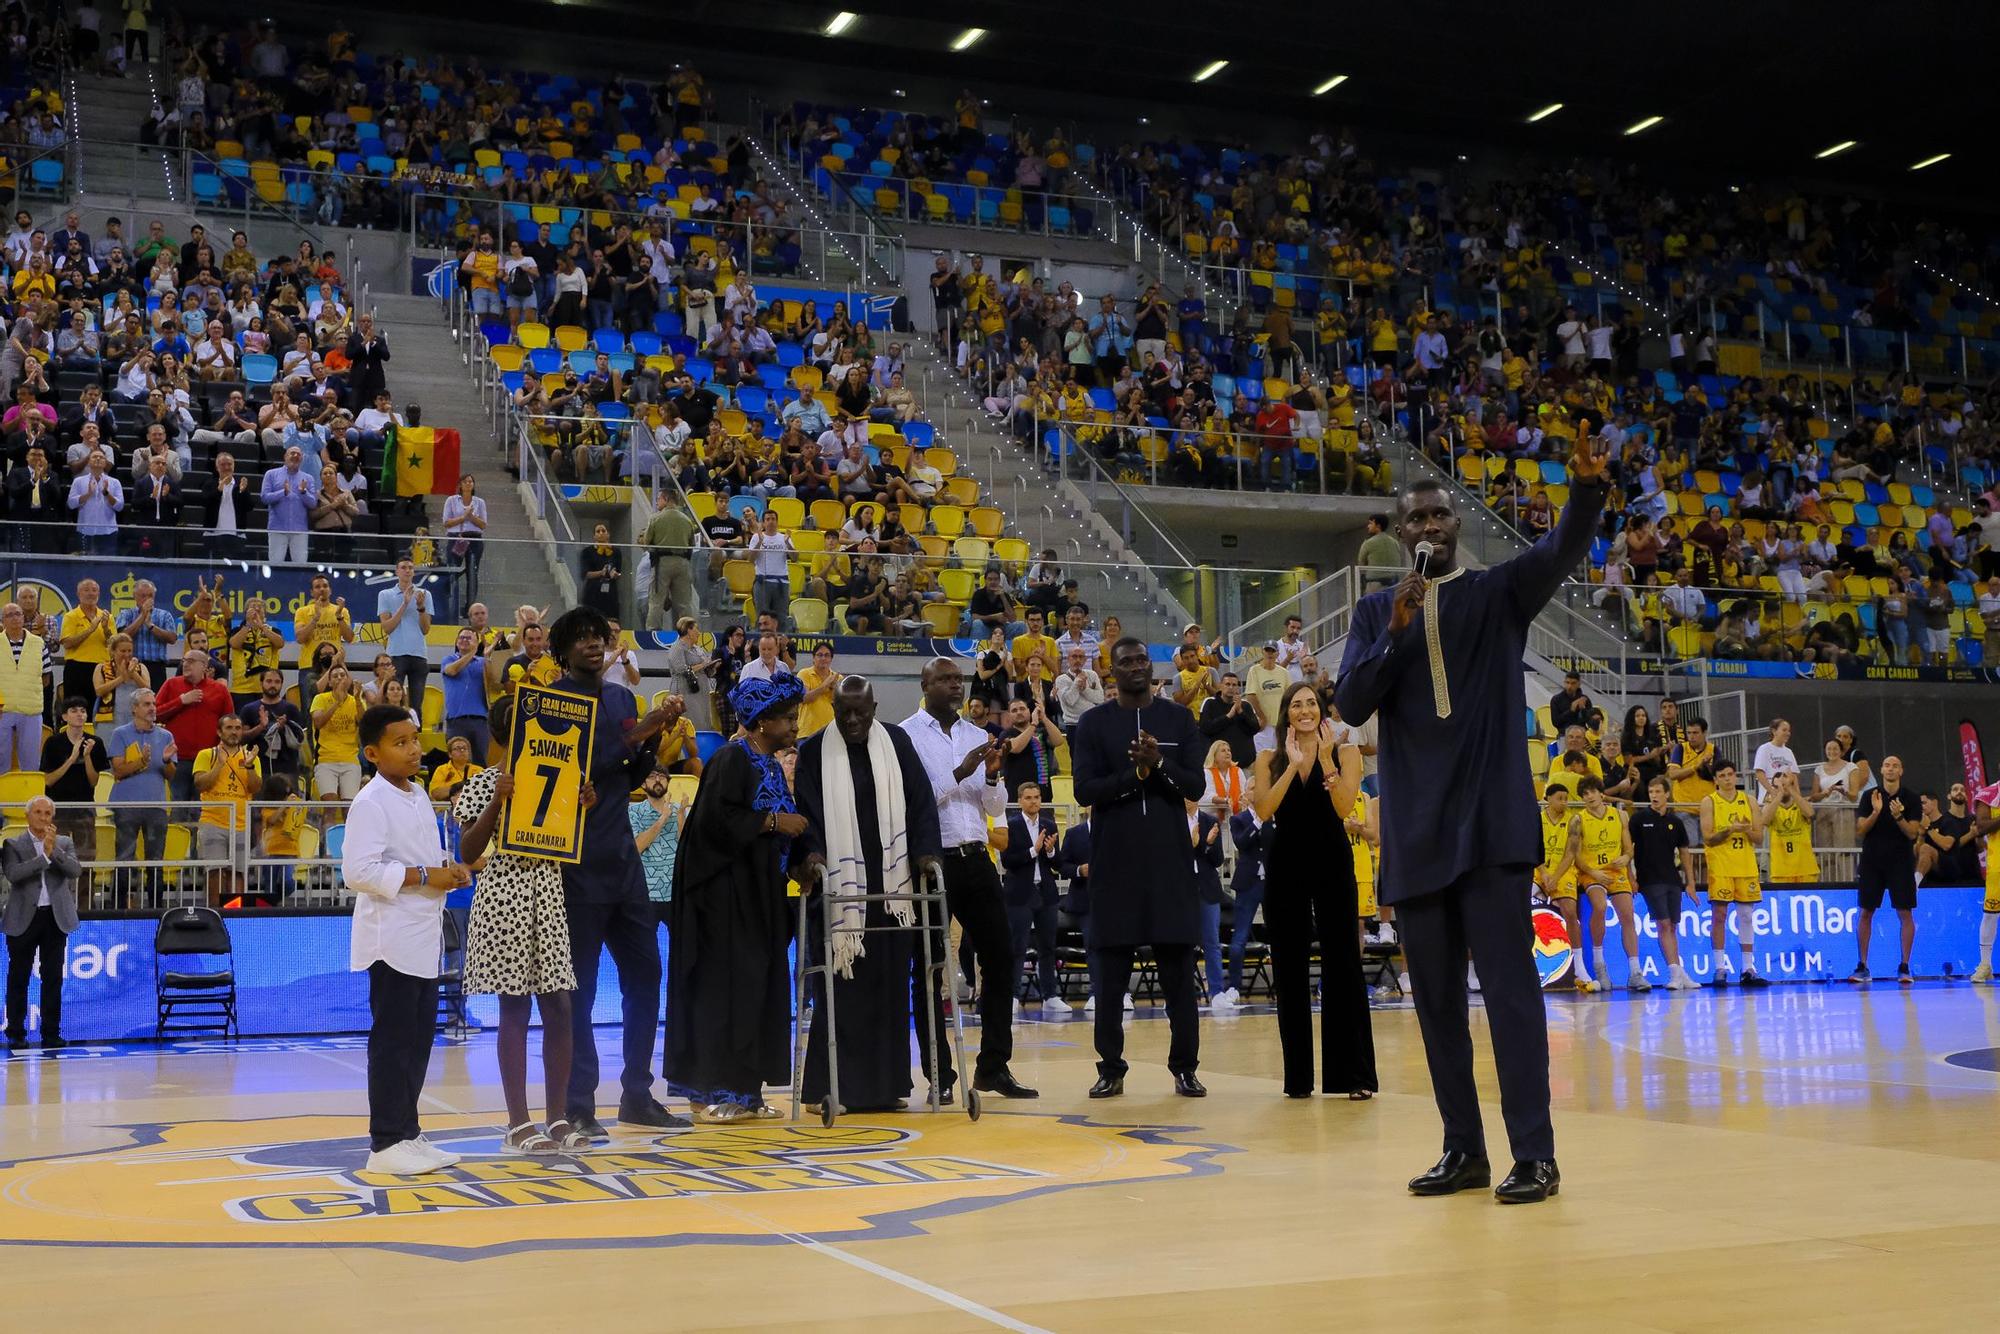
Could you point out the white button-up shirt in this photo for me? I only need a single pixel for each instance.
(963, 804)
(389, 830)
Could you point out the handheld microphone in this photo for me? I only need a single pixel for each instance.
(1424, 551)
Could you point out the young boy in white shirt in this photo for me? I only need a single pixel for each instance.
(394, 861)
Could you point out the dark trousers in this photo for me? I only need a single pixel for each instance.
(1486, 912)
(927, 1005)
(1038, 919)
(1294, 915)
(1111, 978)
(972, 889)
(403, 1022)
(42, 937)
(415, 669)
(630, 930)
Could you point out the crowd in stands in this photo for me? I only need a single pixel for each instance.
(171, 394)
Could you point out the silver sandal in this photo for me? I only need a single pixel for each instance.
(529, 1139)
(567, 1138)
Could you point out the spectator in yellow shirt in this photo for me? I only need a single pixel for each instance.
(281, 824)
(458, 767)
(481, 266)
(1034, 642)
(226, 776)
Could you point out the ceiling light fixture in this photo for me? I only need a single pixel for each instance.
(1210, 70)
(1930, 161)
(1545, 112)
(967, 38)
(1330, 85)
(1836, 149)
(840, 23)
(1640, 127)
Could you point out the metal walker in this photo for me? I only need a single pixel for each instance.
(932, 921)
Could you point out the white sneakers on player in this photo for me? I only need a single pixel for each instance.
(406, 1159)
(1128, 1003)
(1055, 1005)
(1678, 980)
(1224, 1002)
(439, 1157)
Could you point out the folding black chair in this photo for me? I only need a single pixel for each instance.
(192, 998)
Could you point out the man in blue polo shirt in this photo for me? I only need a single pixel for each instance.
(465, 695)
(142, 760)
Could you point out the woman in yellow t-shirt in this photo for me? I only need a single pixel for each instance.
(820, 681)
(336, 720)
(254, 647)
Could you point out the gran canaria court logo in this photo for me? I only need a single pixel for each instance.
(299, 1181)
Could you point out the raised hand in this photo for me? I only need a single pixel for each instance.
(1587, 463)
(1405, 601)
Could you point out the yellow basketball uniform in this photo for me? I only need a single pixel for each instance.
(1364, 857)
(1604, 843)
(1732, 863)
(1555, 842)
(1993, 871)
(1793, 860)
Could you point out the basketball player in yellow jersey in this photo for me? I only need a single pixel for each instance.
(1556, 876)
(1604, 868)
(1363, 835)
(1729, 833)
(1986, 825)
(1787, 818)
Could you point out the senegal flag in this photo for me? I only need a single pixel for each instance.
(420, 460)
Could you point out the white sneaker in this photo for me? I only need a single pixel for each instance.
(1678, 980)
(406, 1159)
(1387, 935)
(1235, 998)
(439, 1157)
(1222, 1004)
(1055, 1005)
(1017, 1007)
(1090, 1006)
(1128, 1002)
(961, 990)
(1472, 979)
(1371, 937)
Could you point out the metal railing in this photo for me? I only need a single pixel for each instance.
(1016, 209)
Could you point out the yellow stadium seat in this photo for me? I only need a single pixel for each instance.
(961, 491)
(572, 338)
(941, 618)
(433, 712)
(808, 539)
(972, 552)
(809, 615)
(935, 548)
(234, 148)
(702, 503)
(1472, 467)
(1899, 492)
(531, 334)
(937, 206)
(988, 522)
(16, 791)
(791, 513)
(271, 191)
(942, 459)
(548, 213)
(958, 584)
(947, 520)
(734, 421)
(507, 357)
(911, 517)
(682, 787)
(828, 516)
(1012, 550)
(739, 575)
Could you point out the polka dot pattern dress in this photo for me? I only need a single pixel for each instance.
(518, 941)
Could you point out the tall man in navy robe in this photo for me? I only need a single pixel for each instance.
(1439, 660)
(1138, 764)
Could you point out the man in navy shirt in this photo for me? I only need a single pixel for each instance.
(1439, 659)
(605, 893)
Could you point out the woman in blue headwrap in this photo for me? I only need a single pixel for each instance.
(728, 976)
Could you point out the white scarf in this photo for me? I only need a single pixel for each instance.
(846, 866)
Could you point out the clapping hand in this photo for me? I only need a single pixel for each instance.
(1145, 753)
(1587, 463)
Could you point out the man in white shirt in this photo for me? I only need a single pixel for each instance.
(372, 423)
(1774, 757)
(215, 354)
(964, 767)
(394, 861)
(1687, 602)
(1292, 650)
(771, 550)
(1079, 689)
(767, 663)
(1571, 332)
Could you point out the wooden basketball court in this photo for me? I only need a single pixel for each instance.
(1810, 1157)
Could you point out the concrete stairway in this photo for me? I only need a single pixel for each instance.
(520, 565)
(115, 173)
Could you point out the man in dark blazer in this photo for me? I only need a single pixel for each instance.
(39, 500)
(1028, 885)
(1251, 837)
(244, 498)
(41, 870)
(1074, 866)
(367, 349)
(153, 511)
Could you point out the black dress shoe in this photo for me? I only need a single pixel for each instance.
(1108, 1087)
(1453, 1173)
(53, 1044)
(1188, 1086)
(1529, 1183)
(587, 1125)
(945, 1098)
(649, 1113)
(1004, 1084)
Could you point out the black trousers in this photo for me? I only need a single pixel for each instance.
(1485, 912)
(1111, 978)
(972, 890)
(1296, 913)
(927, 1005)
(403, 1023)
(630, 930)
(1038, 920)
(415, 669)
(42, 937)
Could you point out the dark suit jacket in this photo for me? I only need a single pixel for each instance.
(22, 862)
(367, 379)
(1253, 841)
(1071, 862)
(138, 511)
(1208, 859)
(1017, 862)
(247, 498)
